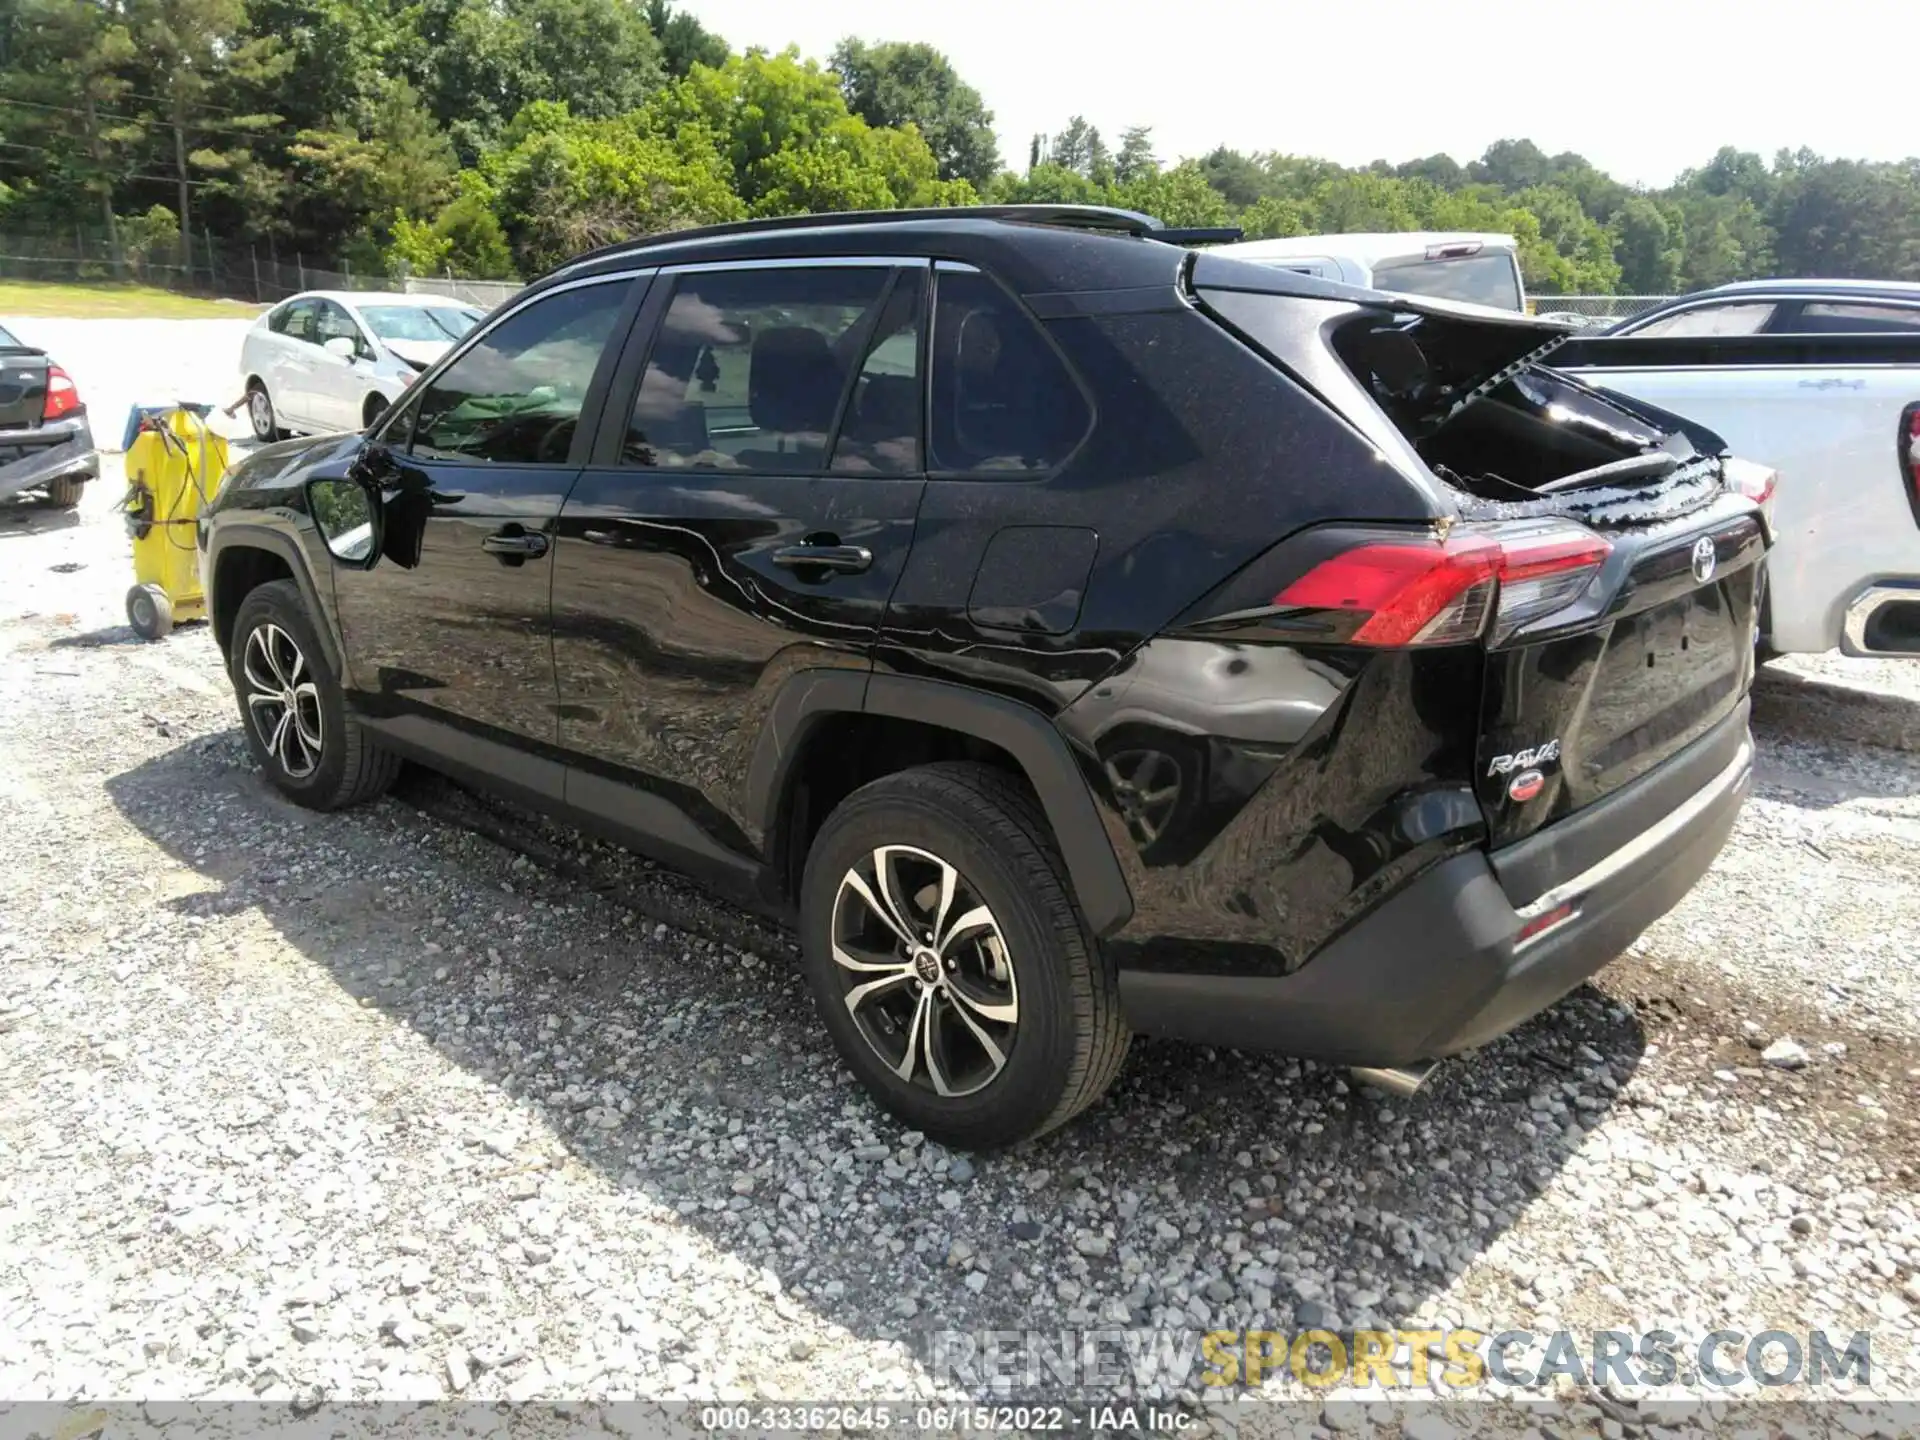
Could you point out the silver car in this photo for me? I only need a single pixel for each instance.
(333, 360)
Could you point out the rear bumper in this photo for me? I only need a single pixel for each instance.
(38, 456)
(1438, 967)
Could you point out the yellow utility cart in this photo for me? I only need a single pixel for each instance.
(174, 466)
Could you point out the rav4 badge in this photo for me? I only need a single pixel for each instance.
(1543, 754)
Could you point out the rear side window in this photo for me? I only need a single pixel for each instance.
(1001, 398)
(515, 397)
(1823, 317)
(296, 322)
(1708, 320)
(880, 434)
(750, 367)
(1489, 279)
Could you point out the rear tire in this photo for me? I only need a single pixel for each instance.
(1023, 983)
(150, 612)
(292, 708)
(65, 493)
(371, 409)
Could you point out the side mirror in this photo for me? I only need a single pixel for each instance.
(341, 346)
(347, 514)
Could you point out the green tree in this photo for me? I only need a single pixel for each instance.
(562, 185)
(1242, 179)
(1136, 160)
(1180, 196)
(399, 164)
(1073, 148)
(73, 89)
(1648, 250)
(895, 85)
(684, 41)
(198, 65)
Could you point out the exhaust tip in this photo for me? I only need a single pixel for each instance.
(1402, 1080)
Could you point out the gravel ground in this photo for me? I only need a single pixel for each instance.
(433, 1099)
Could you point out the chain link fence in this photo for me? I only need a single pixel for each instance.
(1594, 310)
(259, 273)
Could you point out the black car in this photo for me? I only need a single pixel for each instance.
(1081, 634)
(46, 444)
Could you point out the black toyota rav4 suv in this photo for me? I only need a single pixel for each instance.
(1079, 633)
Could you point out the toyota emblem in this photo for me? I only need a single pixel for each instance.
(1704, 559)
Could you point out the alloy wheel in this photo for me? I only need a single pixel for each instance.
(1146, 787)
(925, 971)
(283, 701)
(260, 411)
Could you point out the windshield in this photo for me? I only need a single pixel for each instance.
(1490, 278)
(420, 322)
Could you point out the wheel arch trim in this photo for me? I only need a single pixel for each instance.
(1040, 751)
(244, 536)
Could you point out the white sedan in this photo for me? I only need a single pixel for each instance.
(333, 360)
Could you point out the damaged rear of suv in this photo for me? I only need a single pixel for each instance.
(1561, 658)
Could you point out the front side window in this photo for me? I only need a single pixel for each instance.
(750, 367)
(1001, 398)
(1704, 321)
(515, 397)
(331, 322)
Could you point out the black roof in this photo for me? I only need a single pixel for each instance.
(1034, 248)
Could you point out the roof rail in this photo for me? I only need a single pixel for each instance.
(1073, 217)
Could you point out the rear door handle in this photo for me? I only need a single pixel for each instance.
(849, 559)
(525, 544)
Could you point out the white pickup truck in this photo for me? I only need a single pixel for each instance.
(1821, 381)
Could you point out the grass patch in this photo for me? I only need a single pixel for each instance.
(113, 302)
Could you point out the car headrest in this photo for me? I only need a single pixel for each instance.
(793, 380)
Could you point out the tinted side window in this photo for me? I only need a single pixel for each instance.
(749, 367)
(1703, 320)
(1001, 398)
(880, 434)
(277, 321)
(1823, 317)
(515, 397)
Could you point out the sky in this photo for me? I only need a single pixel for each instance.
(1643, 88)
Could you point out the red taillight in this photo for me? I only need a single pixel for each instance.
(1910, 455)
(1757, 482)
(1440, 592)
(63, 396)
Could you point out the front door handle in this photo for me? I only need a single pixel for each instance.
(848, 559)
(517, 544)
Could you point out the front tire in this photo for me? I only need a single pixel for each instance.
(292, 708)
(260, 415)
(371, 409)
(949, 962)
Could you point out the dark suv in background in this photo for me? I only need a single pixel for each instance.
(1081, 634)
